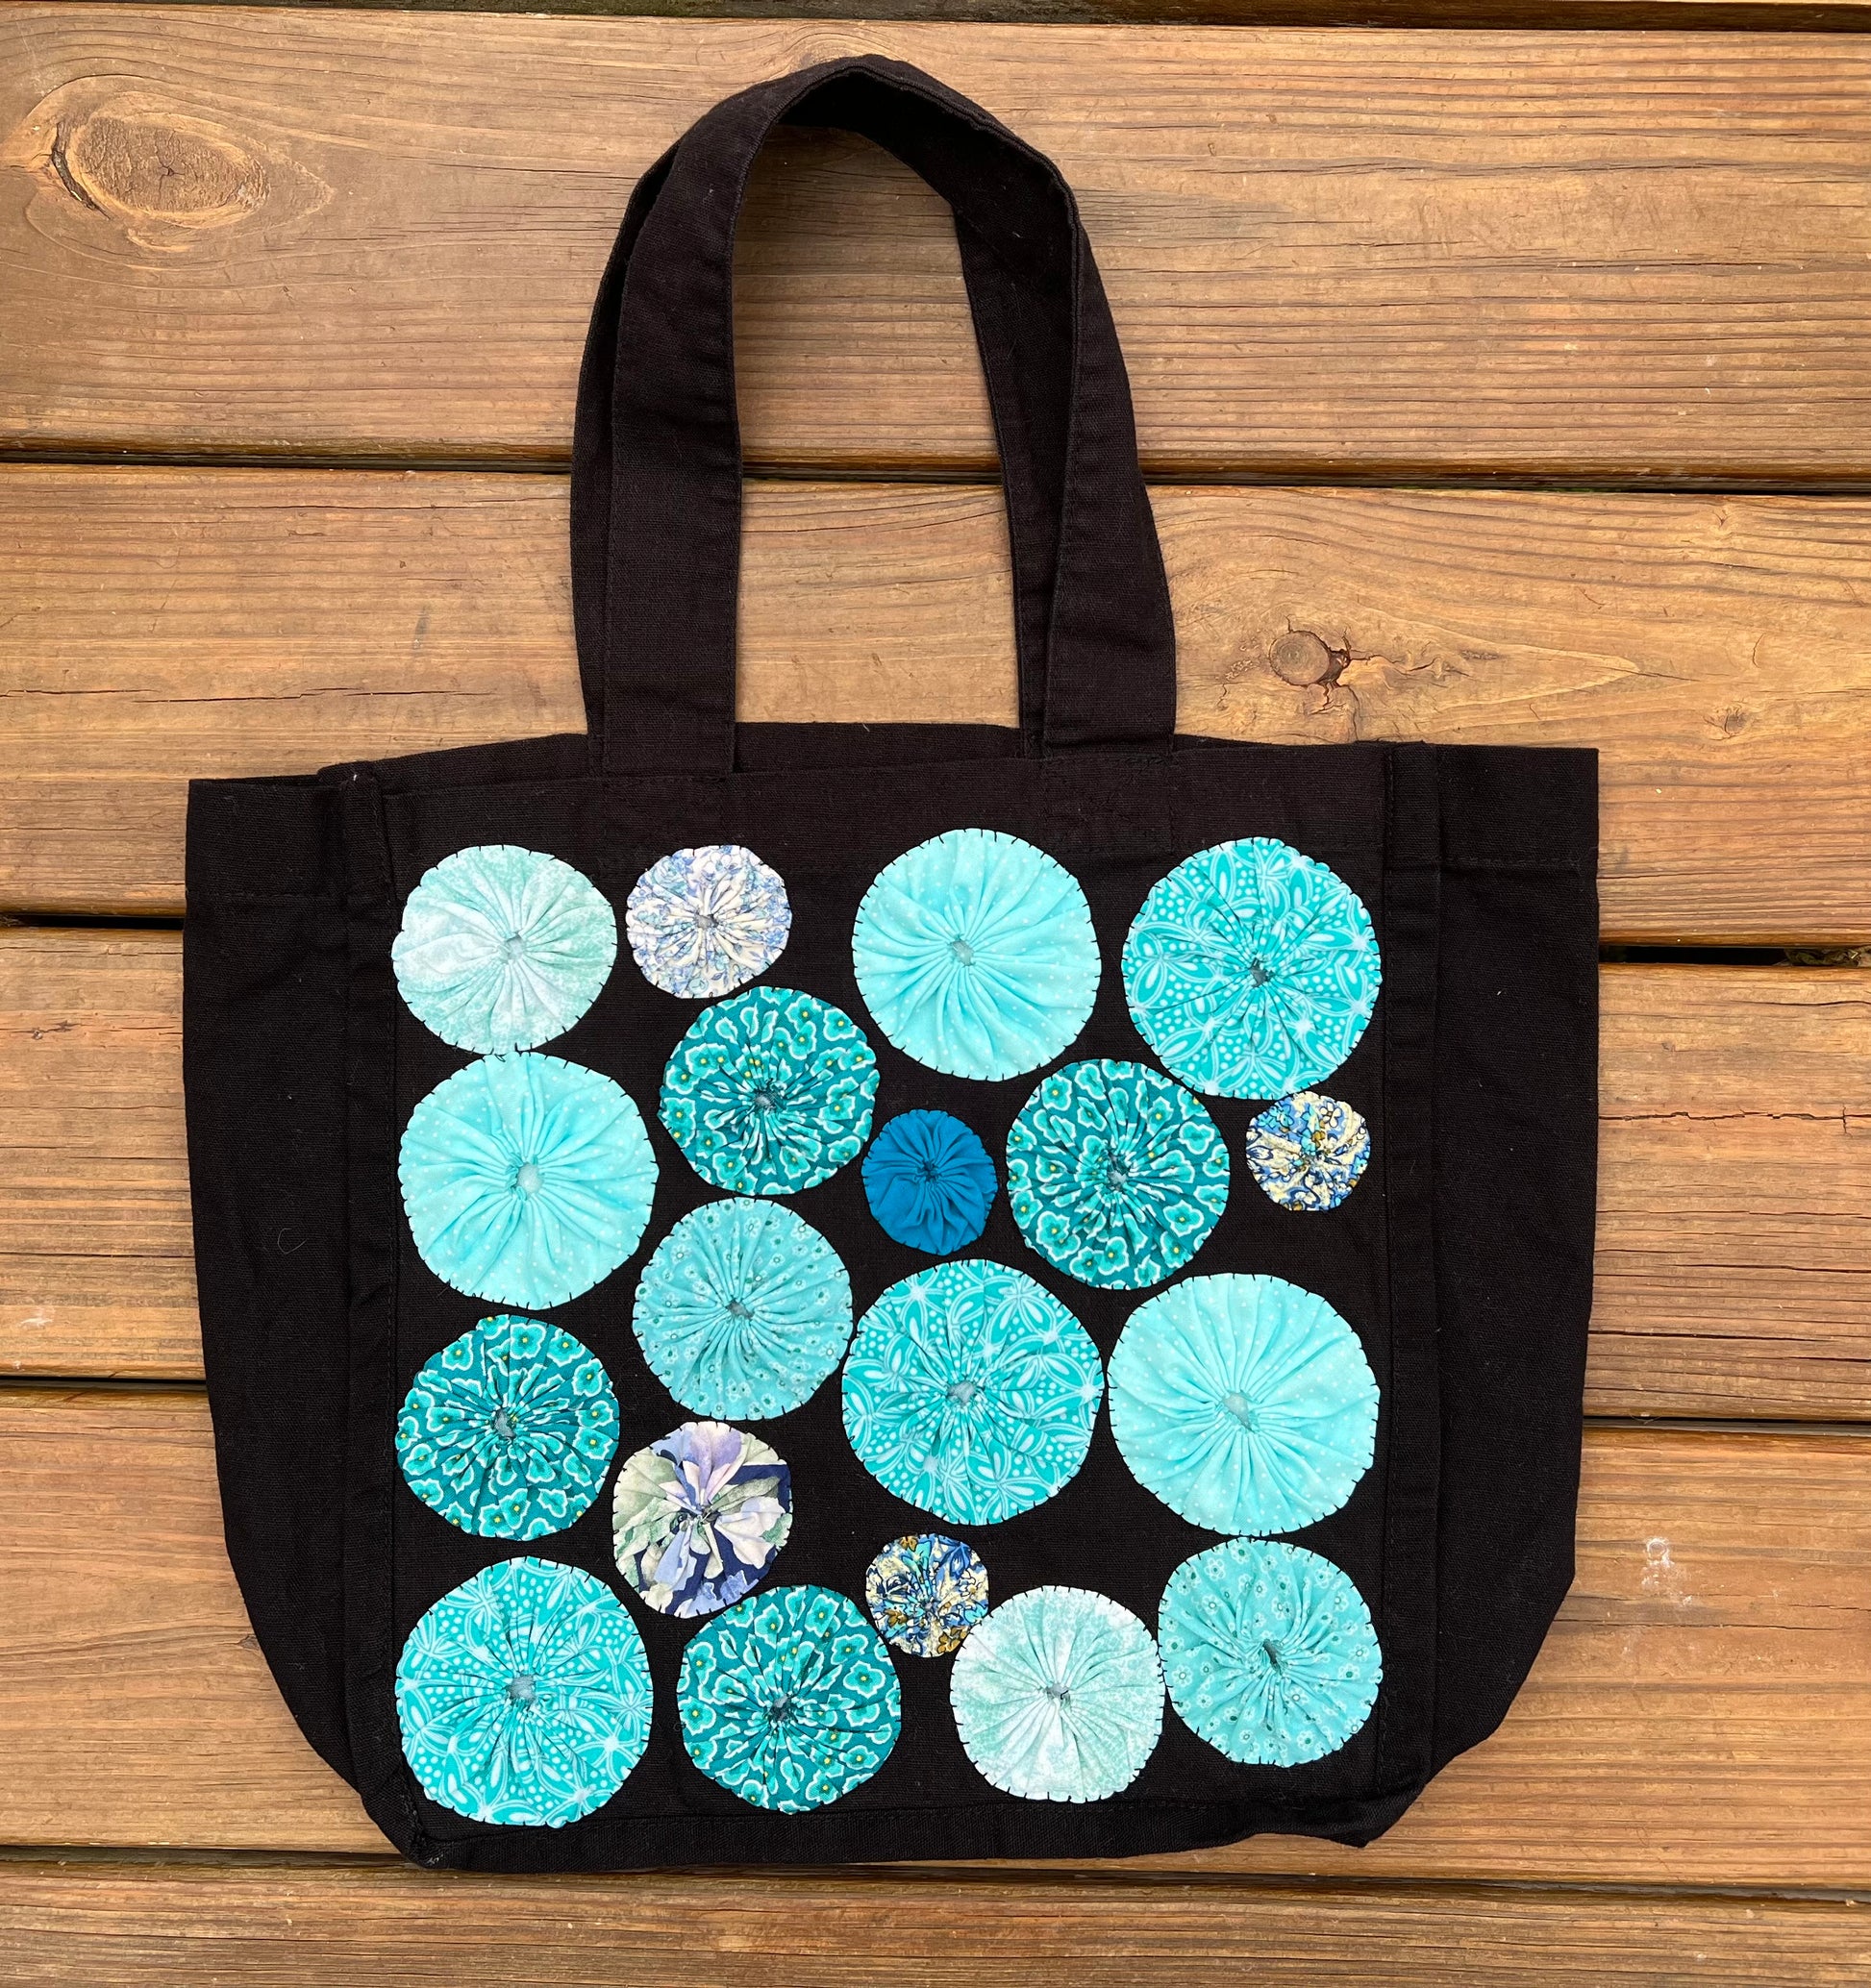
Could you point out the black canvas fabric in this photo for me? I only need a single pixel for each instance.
(1463, 1258)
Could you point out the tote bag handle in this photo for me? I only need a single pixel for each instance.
(656, 453)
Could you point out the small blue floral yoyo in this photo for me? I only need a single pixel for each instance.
(706, 921)
(925, 1592)
(1307, 1151)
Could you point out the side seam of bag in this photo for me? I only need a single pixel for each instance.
(1407, 1610)
(263, 1005)
(372, 1502)
(1516, 1191)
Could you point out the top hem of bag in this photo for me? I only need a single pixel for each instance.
(301, 802)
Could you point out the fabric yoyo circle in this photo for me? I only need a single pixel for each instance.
(526, 1180)
(925, 1592)
(503, 947)
(975, 953)
(790, 1700)
(744, 1310)
(970, 1391)
(706, 921)
(1307, 1151)
(524, 1696)
(1252, 970)
(1270, 1652)
(1116, 1175)
(1244, 1402)
(698, 1517)
(509, 1430)
(770, 1092)
(1058, 1696)
(930, 1182)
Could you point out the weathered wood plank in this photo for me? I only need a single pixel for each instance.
(157, 624)
(1733, 1267)
(232, 1925)
(1729, 17)
(1733, 1272)
(1386, 253)
(1702, 1713)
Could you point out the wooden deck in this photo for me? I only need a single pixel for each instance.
(1494, 386)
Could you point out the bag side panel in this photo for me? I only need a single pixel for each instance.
(264, 991)
(1516, 1184)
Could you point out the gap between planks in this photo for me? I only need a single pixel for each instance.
(877, 468)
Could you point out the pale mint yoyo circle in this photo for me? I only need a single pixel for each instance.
(1244, 1402)
(526, 1180)
(975, 953)
(1059, 1696)
(503, 947)
(1270, 1652)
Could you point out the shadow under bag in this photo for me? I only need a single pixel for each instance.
(808, 1292)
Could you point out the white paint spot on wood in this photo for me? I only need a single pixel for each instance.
(1662, 1576)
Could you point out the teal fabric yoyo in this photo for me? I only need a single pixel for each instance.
(790, 1700)
(526, 1180)
(1252, 970)
(1116, 1175)
(524, 1696)
(509, 1430)
(971, 1391)
(1270, 1652)
(744, 1310)
(770, 1092)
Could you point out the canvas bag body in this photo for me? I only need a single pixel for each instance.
(1461, 1260)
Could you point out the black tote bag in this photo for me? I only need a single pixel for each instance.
(794, 1293)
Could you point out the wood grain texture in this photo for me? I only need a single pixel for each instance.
(230, 1925)
(1331, 253)
(1733, 1272)
(157, 624)
(1783, 17)
(1702, 1713)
